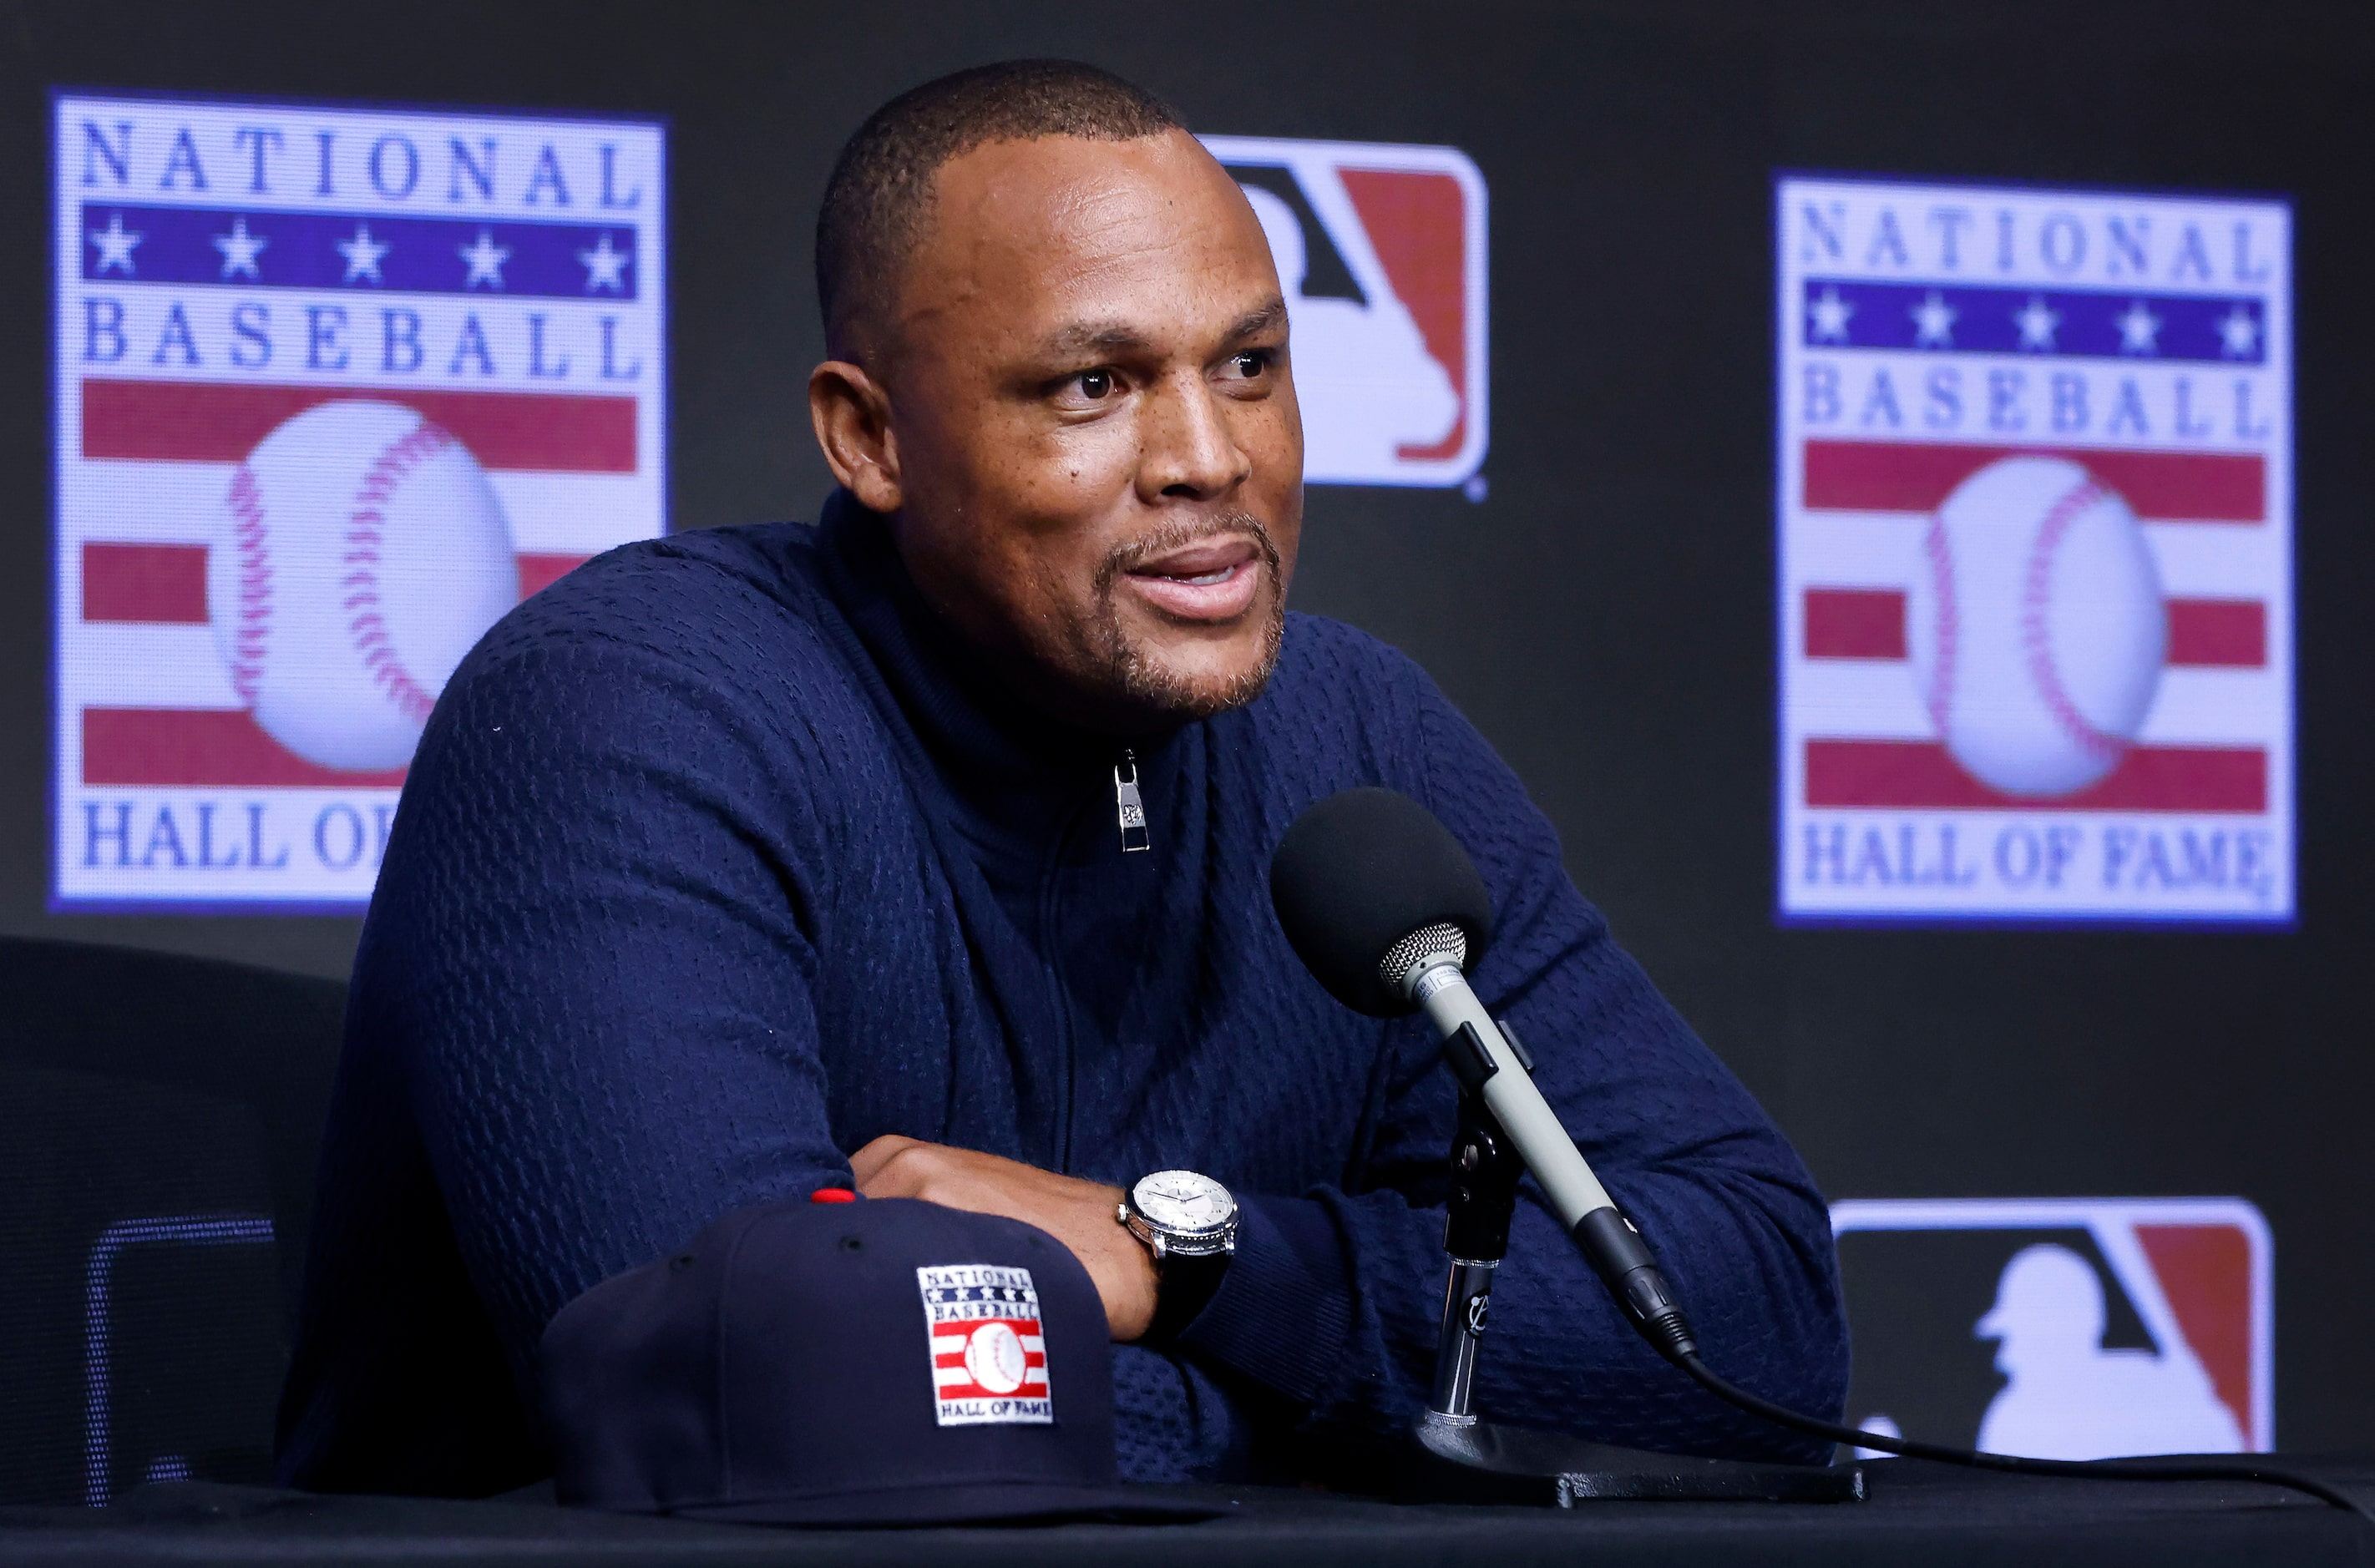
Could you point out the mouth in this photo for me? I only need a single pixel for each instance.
(1212, 580)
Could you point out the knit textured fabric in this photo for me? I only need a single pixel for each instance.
(721, 857)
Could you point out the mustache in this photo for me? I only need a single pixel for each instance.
(1180, 534)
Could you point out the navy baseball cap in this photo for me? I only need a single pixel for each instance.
(876, 1363)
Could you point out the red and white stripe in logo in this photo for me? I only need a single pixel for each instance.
(1854, 492)
(989, 1357)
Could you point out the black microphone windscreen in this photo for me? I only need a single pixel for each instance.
(1360, 871)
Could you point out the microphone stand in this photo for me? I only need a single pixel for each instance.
(1458, 1457)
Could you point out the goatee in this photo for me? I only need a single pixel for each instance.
(1146, 682)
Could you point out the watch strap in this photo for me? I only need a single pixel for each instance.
(1184, 1285)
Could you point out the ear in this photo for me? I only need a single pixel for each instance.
(852, 415)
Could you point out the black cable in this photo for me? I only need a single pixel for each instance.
(1626, 1265)
(2100, 1470)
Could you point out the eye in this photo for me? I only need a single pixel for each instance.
(1250, 364)
(1094, 385)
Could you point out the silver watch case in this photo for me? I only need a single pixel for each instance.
(1216, 1239)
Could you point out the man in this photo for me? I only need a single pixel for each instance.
(751, 862)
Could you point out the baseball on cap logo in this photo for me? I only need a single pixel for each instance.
(1380, 250)
(2062, 1328)
(990, 1358)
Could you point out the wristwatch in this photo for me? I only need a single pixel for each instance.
(1189, 1222)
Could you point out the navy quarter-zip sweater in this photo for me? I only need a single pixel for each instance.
(720, 857)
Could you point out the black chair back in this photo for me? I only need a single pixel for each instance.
(160, 1122)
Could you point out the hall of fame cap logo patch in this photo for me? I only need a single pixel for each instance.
(1381, 253)
(335, 388)
(989, 1357)
(2062, 1328)
(2034, 489)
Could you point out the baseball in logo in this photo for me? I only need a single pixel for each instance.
(2062, 1328)
(988, 1356)
(1381, 253)
(2034, 495)
(336, 389)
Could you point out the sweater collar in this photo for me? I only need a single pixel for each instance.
(1014, 769)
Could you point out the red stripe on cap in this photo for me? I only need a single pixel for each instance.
(1919, 774)
(833, 1195)
(1869, 623)
(200, 747)
(172, 421)
(1907, 476)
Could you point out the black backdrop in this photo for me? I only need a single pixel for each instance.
(1606, 614)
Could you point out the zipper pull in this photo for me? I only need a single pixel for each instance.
(1129, 806)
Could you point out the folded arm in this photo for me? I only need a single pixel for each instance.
(1334, 1298)
(596, 973)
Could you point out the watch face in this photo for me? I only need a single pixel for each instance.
(1182, 1200)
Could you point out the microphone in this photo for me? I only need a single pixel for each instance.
(1386, 911)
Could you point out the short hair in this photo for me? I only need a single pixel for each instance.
(880, 196)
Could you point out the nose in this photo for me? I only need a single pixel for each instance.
(1188, 451)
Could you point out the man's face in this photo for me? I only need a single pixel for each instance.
(1097, 450)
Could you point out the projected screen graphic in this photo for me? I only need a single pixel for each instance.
(335, 388)
(1381, 252)
(2063, 1327)
(2034, 495)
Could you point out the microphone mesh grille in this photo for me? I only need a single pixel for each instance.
(1426, 942)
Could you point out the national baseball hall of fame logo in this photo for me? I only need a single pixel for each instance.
(335, 389)
(2036, 494)
(988, 1348)
(1381, 252)
(2063, 1329)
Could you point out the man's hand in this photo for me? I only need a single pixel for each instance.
(1079, 1214)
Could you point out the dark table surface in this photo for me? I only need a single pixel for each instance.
(1916, 1514)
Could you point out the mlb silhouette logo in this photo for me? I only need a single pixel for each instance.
(2035, 481)
(1381, 252)
(2062, 1328)
(335, 389)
